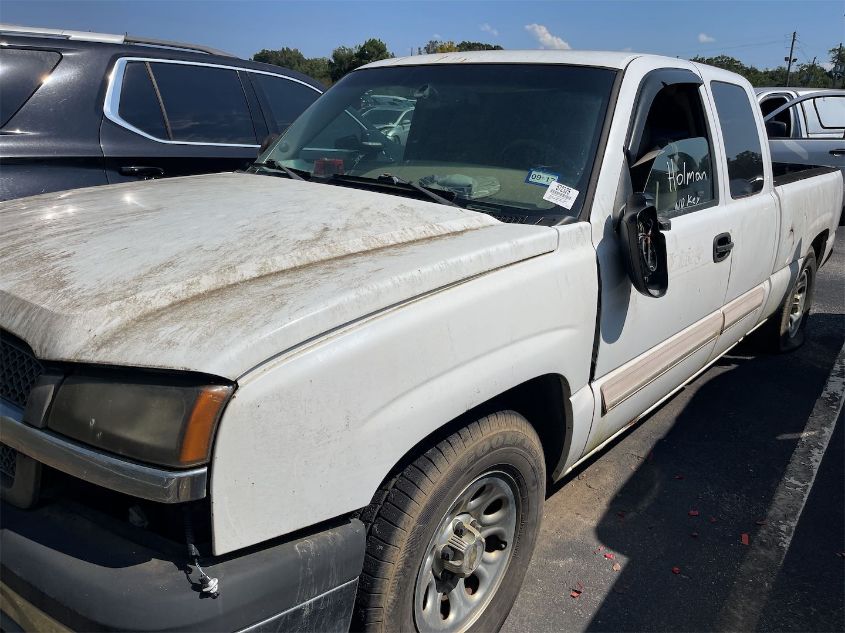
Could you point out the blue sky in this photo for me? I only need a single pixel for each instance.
(755, 31)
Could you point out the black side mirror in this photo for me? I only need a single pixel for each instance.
(776, 129)
(644, 246)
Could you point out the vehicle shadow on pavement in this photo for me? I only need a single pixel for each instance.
(676, 525)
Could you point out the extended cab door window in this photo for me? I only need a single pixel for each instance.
(742, 140)
(673, 160)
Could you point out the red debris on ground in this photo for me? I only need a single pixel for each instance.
(693, 513)
(616, 566)
(609, 556)
(676, 570)
(577, 590)
(598, 549)
(621, 514)
(574, 593)
(744, 539)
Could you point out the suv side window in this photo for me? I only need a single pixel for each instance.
(285, 99)
(742, 141)
(139, 104)
(204, 104)
(673, 162)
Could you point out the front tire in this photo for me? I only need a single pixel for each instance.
(451, 536)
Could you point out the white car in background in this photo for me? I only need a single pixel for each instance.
(392, 121)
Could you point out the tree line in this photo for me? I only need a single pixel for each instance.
(806, 75)
(347, 58)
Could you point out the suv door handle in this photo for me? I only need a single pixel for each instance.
(722, 247)
(837, 152)
(142, 171)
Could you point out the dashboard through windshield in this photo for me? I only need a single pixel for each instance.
(494, 137)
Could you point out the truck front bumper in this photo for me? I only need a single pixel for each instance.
(63, 571)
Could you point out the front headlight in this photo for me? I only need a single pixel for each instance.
(160, 419)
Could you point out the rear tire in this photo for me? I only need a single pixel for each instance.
(787, 327)
(484, 484)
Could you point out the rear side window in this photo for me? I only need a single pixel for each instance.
(286, 99)
(139, 105)
(831, 112)
(204, 104)
(22, 72)
(742, 141)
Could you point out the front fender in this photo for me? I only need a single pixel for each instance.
(311, 435)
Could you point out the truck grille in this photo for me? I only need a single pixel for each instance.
(19, 370)
(8, 462)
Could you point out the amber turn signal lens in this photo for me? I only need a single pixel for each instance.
(199, 433)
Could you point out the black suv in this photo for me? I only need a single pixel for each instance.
(81, 109)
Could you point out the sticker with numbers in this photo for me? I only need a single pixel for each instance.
(561, 195)
(541, 177)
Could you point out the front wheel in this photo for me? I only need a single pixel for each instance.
(451, 536)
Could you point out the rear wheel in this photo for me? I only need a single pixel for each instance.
(786, 329)
(450, 538)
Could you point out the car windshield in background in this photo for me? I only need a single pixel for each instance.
(493, 136)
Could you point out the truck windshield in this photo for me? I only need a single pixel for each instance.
(491, 137)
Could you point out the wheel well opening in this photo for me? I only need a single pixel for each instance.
(543, 401)
(818, 245)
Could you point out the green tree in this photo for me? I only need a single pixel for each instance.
(287, 57)
(372, 50)
(341, 62)
(477, 46)
(345, 59)
(292, 58)
(438, 46)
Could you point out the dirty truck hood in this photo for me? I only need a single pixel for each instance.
(217, 273)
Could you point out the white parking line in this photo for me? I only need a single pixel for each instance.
(763, 561)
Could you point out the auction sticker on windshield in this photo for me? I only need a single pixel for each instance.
(561, 195)
(541, 178)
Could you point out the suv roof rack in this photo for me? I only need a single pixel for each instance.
(109, 38)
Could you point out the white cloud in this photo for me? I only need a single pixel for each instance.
(545, 38)
(489, 29)
(703, 38)
(828, 66)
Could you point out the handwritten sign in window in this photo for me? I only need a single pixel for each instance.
(681, 177)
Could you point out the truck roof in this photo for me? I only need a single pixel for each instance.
(606, 59)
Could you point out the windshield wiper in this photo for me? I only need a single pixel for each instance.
(390, 179)
(272, 164)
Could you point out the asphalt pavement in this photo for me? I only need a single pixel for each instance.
(723, 510)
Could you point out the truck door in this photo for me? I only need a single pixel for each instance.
(754, 211)
(648, 346)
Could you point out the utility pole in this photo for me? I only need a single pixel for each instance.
(790, 59)
(838, 66)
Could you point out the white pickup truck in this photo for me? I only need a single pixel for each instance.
(334, 389)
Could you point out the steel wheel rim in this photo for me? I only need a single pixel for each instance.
(799, 300)
(445, 603)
